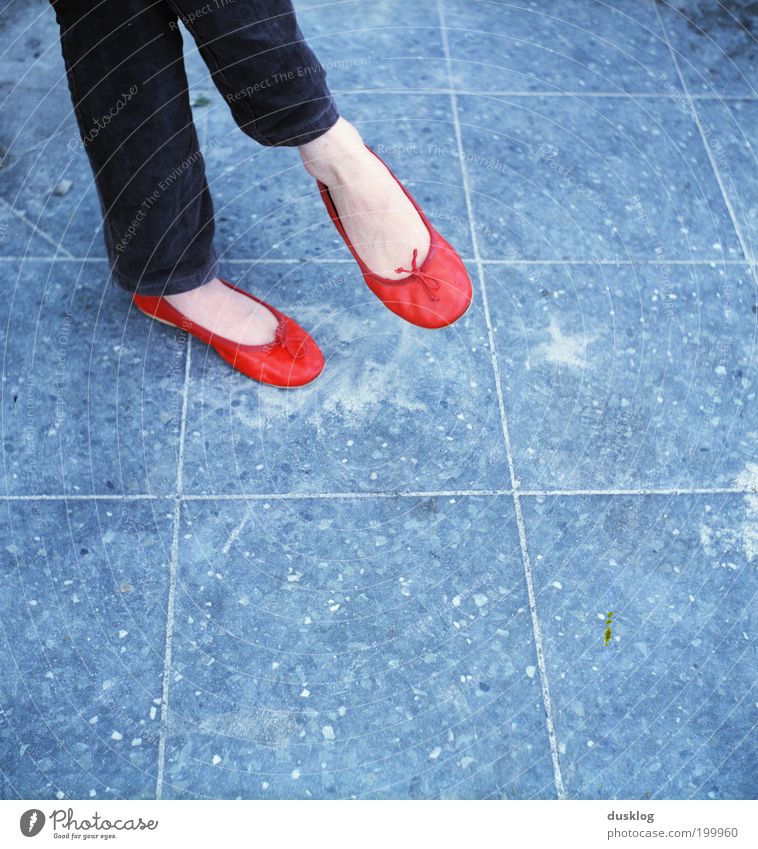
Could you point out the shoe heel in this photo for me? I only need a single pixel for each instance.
(155, 318)
(162, 321)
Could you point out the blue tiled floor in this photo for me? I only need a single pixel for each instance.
(397, 582)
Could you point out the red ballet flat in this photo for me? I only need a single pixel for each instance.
(291, 359)
(434, 295)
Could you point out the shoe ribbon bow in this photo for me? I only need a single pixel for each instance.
(430, 283)
(294, 347)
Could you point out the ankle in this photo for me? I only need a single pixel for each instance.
(335, 157)
(192, 295)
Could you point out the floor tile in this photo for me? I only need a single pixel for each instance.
(268, 206)
(92, 392)
(366, 45)
(31, 49)
(83, 616)
(731, 128)
(714, 44)
(46, 174)
(361, 647)
(397, 408)
(666, 709)
(557, 45)
(627, 376)
(18, 238)
(593, 178)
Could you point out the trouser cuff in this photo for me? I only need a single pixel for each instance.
(170, 282)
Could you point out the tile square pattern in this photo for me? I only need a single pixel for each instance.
(557, 46)
(83, 613)
(373, 648)
(667, 709)
(268, 206)
(714, 44)
(628, 376)
(367, 45)
(216, 589)
(92, 390)
(396, 408)
(592, 179)
(731, 129)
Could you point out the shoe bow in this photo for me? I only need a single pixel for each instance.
(295, 348)
(430, 283)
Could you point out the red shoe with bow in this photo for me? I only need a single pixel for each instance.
(433, 295)
(291, 359)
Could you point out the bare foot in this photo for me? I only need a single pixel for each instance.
(227, 313)
(380, 221)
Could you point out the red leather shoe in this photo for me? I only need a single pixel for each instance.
(291, 359)
(434, 295)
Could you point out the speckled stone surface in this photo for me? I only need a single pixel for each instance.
(318, 653)
(83, 601)
(731, 128)
(79, 414)
(630, 376)
(714, 44)
(396, 409)
(328, 585)
(592, 178)
(369, 46)
(666, 709)
(557, 46)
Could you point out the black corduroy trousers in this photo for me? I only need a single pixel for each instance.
(129, 89)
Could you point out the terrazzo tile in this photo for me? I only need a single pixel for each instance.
(29, 38)
(372, 648)
(714, 44)
(557, 45)
(83, 616)
(268, 206)
(46, 175)
(18, 238)
(91, 391)
(374, 645)
(397, 408)
(667, 709)
(627, 376)
(367, 45)
(730, 128)
(592, 178)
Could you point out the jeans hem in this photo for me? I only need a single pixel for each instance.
(171, 285)
(303, 133)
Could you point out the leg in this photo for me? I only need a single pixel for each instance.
(377, 216)
(126, 75)
(278, 95)
(264, 69)
(127, 81)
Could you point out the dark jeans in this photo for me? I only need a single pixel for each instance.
(127, 81)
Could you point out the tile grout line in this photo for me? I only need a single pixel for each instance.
(173, 570)
(77, 497)
(447, 493)
(709, 153)
(37, 230)
(589, 95)
(536, 629)
(716, 261)
(495, 92)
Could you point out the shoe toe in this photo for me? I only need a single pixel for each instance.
(301, 361)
